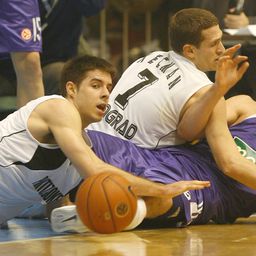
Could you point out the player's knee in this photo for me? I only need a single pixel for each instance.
(27, 63)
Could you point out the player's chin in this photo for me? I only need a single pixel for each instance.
(99, 114)
(213, 67)
(98, 117)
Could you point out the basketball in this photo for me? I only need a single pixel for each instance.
(105, 203)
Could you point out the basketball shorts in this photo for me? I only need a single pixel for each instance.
(20, 28)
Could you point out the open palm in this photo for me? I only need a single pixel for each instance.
(180, 187)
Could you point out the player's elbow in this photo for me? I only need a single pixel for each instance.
(187, 134)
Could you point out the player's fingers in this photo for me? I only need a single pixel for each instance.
(238, 59)
(231, 51)
(242, 69)
(222, 60)
(196, 184)
(180, 187)
(183, 186)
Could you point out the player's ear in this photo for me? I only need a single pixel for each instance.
(189, 51)
(71, 89)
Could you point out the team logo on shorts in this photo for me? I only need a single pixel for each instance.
(26, 34)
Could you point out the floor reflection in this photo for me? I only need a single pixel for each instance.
(216, 240)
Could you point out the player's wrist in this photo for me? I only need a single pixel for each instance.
(219, 89)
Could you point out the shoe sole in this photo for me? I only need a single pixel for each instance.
(66, 219)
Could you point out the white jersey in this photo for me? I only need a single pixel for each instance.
(30, 171)
(146, 102)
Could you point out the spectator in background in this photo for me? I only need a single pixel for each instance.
(61, 33)
(20, 40)
(227, 14)
(229, 18)
(61, 29)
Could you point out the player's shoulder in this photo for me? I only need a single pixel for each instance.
(55, 107)
(52, 101)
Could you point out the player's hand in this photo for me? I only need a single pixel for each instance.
(235, 21)
(177, 188)
(231, 51)
(230, 69)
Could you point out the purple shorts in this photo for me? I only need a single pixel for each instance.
(223, 202)
(20, 28)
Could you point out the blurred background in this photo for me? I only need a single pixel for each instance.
(125, 30)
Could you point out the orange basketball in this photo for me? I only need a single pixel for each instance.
(105, 203)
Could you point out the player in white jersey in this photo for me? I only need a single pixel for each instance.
(145, 104)
(166, 99)
(158, 100)
(30, 171)
(37, 140)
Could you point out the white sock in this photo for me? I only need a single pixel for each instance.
(139, 215)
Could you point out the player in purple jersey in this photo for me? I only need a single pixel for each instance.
(20, 36)
(223, 202)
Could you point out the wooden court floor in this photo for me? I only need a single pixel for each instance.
(31, 237)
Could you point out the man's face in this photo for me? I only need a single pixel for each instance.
(210, 49)
(92, 96)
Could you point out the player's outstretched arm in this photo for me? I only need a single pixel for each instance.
(65, 124)
(157, 206)
(225, 151)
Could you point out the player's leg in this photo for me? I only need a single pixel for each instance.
(21, 36)
(8, 212)
(66, 218)
(170, 210)
(51, 77)
(29, 76)
(157, 206)
(150, 210)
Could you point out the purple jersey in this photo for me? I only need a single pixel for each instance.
(20, 28)
(223, 202)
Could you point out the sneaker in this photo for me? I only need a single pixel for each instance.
(66, 219)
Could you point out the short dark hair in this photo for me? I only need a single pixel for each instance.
(76, 69)
(186, 27)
